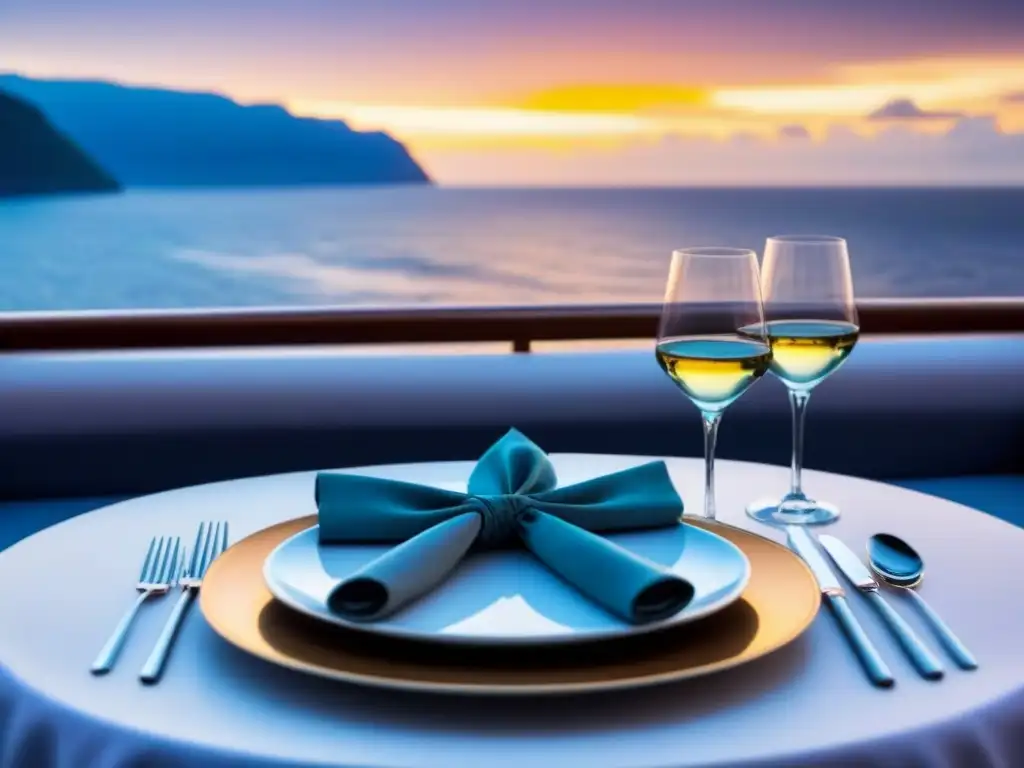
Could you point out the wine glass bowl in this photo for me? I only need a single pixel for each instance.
(713, 371)
(812, 327)
(806, 352)
(711, 341)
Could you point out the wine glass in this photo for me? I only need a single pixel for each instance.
(812, 328)
(712, 340)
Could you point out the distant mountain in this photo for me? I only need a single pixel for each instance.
(36, 159)
(154, 137)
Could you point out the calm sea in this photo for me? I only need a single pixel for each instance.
(462, 246)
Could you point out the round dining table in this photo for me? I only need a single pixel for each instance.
(807, 704)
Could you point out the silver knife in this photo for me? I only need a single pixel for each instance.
(800, 541)
(923, 659)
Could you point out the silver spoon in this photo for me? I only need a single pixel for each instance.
(899, 565)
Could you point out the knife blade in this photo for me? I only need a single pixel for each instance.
(923, 660)
(800, 541)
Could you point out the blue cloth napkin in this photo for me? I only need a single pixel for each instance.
(512, 499)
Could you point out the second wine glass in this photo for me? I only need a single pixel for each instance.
(711, 341)
(812, 326)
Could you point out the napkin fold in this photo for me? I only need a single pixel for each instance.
(512, 499)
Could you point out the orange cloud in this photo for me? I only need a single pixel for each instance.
(975, 151)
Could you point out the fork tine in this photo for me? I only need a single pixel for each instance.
(220, 543)
(170, 561)
(180, 570)
(154, 566)
(215, 546)
(200, 555)
(208, 549)
(149, 557)
(179, 562)
(161, 564)
(197, 549)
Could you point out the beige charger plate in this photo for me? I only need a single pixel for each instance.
(779, 603)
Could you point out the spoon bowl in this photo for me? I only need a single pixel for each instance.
(895, 560)
(899, 565)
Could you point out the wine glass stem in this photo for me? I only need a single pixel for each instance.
(798, 402)
(711, 421)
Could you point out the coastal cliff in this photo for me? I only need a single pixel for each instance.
(37, 159)
(151, 137)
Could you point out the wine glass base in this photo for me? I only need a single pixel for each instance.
(784, 512)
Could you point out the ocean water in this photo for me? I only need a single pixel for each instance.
(409, 246)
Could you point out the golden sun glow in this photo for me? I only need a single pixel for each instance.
(477, 121)
(584, 117)
(626, 97)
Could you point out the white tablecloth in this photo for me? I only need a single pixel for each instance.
(809, 704)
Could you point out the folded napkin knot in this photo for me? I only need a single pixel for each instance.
(512, 497)
(500, 517)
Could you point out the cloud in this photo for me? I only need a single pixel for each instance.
(1016, 97)
(981, 129)
(905, 109)
(794, 132)
(974, 151)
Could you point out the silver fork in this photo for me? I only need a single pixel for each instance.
(211, 541)
(159, 573)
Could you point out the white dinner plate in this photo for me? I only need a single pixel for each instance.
(508, 597)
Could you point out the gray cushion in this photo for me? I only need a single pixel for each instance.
(103, 424)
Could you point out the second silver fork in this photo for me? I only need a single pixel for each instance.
(211, 541)
(159, 573)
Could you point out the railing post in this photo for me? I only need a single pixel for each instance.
(521, 345)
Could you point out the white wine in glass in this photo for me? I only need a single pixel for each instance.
(811, 325)
(712, 341)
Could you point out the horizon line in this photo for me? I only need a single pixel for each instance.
(497, 187)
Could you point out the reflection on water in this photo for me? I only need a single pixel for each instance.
(449, 246)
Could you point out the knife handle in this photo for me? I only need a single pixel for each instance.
(868, 655)
(923, 659)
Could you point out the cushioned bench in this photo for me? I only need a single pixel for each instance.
(944, 415)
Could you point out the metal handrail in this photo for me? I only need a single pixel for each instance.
(520, 326)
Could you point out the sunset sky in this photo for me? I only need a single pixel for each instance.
(589, 92)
